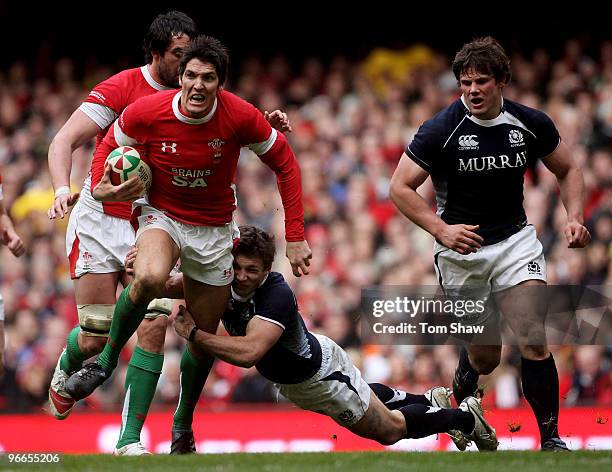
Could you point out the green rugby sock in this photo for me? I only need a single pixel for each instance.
(72, 358)
(126, 319)
(141, 379)
(194, 373)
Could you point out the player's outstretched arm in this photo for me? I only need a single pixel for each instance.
(406, 179)
(243, 351)
(571, 184)
(280, 158)
(78, 130)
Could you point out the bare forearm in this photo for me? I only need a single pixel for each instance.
(235, 350)
(60, 162)
(572, 194)
(6, 223)
(412, 205)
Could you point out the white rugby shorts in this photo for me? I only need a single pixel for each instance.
(336, 390)
(497, 266)
(96, 242)
(205, 251)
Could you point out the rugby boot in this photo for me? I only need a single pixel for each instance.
(182, 442)
(85, 381)
(133, 449)
(440, 397)
(555, 444)
(60, 401)
(484, 434)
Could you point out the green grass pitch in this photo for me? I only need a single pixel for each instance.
(516, 461)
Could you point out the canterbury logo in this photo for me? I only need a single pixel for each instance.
(169, 147)
(468, 141)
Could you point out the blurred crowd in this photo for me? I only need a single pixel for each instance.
(351, 122)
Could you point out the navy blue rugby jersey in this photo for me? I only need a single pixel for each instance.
(296, 356)
(477, 166)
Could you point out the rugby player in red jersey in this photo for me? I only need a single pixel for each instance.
(191, 139)
(99, 234)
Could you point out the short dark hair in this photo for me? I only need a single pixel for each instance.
(207, 49)
(483, 55)
(256, 243)
(162, 30)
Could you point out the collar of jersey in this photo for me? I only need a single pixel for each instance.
(499, 119)
(235, 296)
(186, 119)
(146, 73)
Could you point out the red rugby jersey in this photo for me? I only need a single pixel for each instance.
(194, 161)
(103, 105)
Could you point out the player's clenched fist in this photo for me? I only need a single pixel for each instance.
(577, 235)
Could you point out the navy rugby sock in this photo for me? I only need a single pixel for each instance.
(422, 421)
(466, 377)
(394, 398)
(541, 389)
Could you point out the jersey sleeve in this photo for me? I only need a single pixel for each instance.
(254, 131)
(547, 136)
(277, 306)
(130, 128)
(101, 115)
(273, 149)
(111, 93)
(425, 146)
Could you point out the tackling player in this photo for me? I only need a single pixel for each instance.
(191, 140)
(267, 331)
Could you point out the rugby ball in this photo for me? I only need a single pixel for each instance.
(126, 163)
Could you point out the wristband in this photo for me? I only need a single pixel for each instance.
(192, 334)
(63, 190)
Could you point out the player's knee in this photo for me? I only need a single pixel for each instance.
(531, 336)
(390, 437)
(535, 353)
(390, 428)
(488, 366)
(147, 287)
(152, 334)
(392, 432)
(92, 345)
(486, 363)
